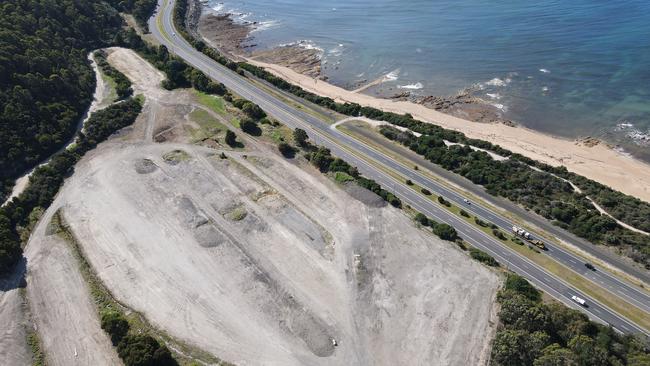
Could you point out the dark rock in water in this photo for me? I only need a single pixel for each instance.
(401, 96)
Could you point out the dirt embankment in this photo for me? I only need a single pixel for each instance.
(280, 262)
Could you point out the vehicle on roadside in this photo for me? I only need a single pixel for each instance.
(590, 266)
(579, 300)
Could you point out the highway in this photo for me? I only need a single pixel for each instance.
(625, 290)
(367, 160)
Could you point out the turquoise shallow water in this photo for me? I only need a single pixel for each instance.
(571, 68)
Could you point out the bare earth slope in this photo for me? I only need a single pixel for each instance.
(271, 270)
(13, 339)
(61, 305)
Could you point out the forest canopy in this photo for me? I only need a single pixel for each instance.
(46, 81)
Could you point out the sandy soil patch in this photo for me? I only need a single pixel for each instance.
(305, 265)
(13, 338)
(60, 302)
(598, 162)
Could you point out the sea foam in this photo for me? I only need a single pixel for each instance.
(415, 86)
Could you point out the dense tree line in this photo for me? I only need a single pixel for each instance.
(46, 180)
(122, 83)
(536, 190)
(540, 334)
(46, 81)
(140, 9)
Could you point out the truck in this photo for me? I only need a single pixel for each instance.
(579, 300)
(526, 235)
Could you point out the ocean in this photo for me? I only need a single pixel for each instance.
(570, 68)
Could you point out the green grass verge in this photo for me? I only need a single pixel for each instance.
(342, 177)
(214, 103)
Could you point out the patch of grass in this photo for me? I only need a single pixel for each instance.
(343, 177)
(214, 103)
(34, 342)
(235, 122)
(140, 98)
(206, 121)
(237, 214)
(176, 156)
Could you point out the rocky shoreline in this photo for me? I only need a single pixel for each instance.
(235, 40)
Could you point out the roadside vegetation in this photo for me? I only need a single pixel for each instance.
(536, 333)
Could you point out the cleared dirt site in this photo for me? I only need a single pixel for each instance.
(257, 259)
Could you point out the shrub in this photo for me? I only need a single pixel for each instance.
(286, 150)
(499, 234)
(300, 136)
(480, 222)
(250, 127)
(409, 182)
(231, 138)
(464, 213)
(443, 201)
(115, 325)
(144, 350)
(425, 191)
(445, 232)
(483, 257)
(422, 219)
(253, 110)
(522, 286)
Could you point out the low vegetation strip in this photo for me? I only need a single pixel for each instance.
(122, 83)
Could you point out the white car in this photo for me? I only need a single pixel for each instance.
(579, 300)
(466, 200)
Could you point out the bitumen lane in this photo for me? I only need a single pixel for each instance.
(321, 134)
(627, 291)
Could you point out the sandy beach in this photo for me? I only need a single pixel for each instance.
(588, 157)
(598, 162)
